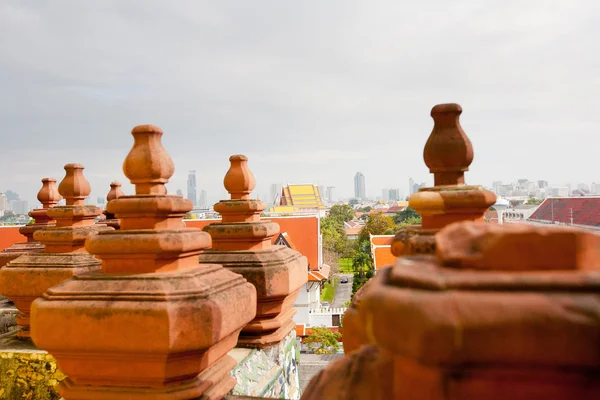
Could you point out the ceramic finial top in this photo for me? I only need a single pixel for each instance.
(48, 194)
(115, 191)
(239, 180)
(148, 165)
(74, 187)
(448, 151)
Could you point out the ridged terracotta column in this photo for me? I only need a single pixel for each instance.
(500, 312)
(29, 276)
(242, 243)
(49, 197)
(153, 323)
(114, 193)
(448, 154)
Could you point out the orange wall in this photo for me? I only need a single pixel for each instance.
(10, 235)
(303, 231)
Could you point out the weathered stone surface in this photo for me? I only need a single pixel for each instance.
(451, 329)
(152, 323)
(30, 275)
(242, 243)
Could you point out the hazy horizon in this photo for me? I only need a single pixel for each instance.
(310, 92)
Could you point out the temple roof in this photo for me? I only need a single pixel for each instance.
(381, 251)
(585, 211)
(298, 198)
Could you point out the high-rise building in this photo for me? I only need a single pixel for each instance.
(359, 186)
(179, 192)
(191, 187)
(595, 188)
(321, 190)
(19, 206)
(3, 202)
(411, 185)
(10, 196)
(203, 201)
(385, 194)
(331, 194)
(542, 184)
(394, 195)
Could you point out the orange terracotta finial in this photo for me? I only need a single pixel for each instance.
(74, 187)
(448, 151)
(115, 191)
(148, 165)
(48, 194)
(239, 180)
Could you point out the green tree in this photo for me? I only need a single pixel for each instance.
(343, 212)
(334, 235)
(323, 340)
(407, 222)
(405, 214)
(377, 224)
(361, 259)
(353, 202)
(534, 201)
(365, 209)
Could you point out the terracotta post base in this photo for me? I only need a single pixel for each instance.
(212, 384)
(29, 276)
(278, 273)
(141, 336)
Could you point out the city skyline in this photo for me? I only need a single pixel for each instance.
(227, 78)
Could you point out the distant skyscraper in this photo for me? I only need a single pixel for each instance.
(179, 192)
(19, 206)
(359, 186)
(203, 201)
(542, 184)
(321, 190)
(385, 194)
(191, 187)
(100, 200)
(331, 194)
(411, 185)
(10, 196)
(3, 202)
(394, 195)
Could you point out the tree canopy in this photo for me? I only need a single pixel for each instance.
(376, 224)
(342, 212)
(323, 340)
(405, 214)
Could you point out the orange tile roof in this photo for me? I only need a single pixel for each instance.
(381, 251)
(382, 240)
(383, 257)
(315, 276)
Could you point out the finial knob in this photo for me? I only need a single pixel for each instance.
(448, 151)
(74, 187)
(48, 194)
(239, 180)
(148, 165)
(115, 191)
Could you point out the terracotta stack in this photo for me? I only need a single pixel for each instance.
(242, 243)
(114, 193)
(501, 311)
(153, 323)
(26, 278)
(49, 197)
(448, 154)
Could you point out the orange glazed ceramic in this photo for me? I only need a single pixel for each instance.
(153, 323)
(242, 243)
(26, 278)
(484, 318)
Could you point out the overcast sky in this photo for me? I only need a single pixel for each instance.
(310, 91)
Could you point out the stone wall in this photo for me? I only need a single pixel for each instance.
(271, 372)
